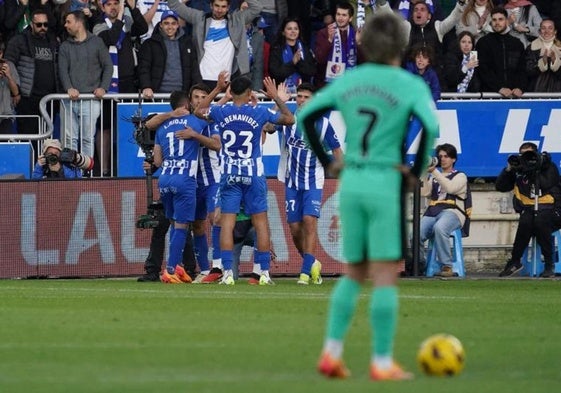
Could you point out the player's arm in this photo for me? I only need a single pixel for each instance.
(157, 120)
(212, 142)
(286, 117)
(202, 110)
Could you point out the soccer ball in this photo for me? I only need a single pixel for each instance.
(441, 355)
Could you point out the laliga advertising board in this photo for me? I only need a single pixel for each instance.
(485, 133)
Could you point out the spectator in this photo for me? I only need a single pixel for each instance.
(444, 214)
(117, 29)
(303, 178)
(404, 7)
(535, 181)
(51, 164)
(243, 166)
(496, 50)
(84, 67)
(336, 46)
(426, 31)
(476, 18)
(524, 20)
(291, 61)
(460, 66)
(167, 60)
(88, 8)
(543, 60)
(34, 53)
(420, 63)
(220, 38)
(9, 92)
(152, 11)
(16, 17)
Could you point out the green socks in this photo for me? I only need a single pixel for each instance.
(383, 318)
(342, 307)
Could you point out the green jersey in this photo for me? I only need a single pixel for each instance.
(376, 102)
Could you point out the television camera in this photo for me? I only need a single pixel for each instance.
(144, 138)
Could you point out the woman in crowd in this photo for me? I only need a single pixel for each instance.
(524, 20)
(476, 18)
(460, 65)
(291, 61)
(543, 60)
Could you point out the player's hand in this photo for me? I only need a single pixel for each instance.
(180, 112)
(186, 133)
(223, 80)
(335, 168)
(282, 92)
(411, 181)
(270, 88)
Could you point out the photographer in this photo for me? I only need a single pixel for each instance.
(444, 214)
(59, 163)
(535, 181)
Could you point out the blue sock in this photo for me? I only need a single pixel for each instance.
(200, 243)
(309, 260)
(263, 258)
(215, 242)
(176, 245)
(171, 230)
(227, 258)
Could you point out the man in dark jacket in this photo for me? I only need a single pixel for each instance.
(535, 181)
(167, 60)
(502, 65)
(34, 53)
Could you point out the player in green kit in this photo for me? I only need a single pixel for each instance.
(376, 101)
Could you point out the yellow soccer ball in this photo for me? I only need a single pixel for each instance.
(441, 355)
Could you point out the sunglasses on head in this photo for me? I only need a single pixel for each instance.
(41, 24)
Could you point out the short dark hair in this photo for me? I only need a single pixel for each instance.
(78, 15)
(199, 86)
(345, 5)
(177, 97)
(449, 149)
(499, 10)
(528, 145)
(307, 87)
(38, 11)
(239, 85)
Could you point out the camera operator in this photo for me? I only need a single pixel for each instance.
(444, 214)
(535, 181)
(59, 163)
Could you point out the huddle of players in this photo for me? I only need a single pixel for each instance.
(211, 157)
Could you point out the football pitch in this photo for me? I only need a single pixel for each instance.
(124, 336)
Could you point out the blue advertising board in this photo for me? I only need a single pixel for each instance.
(485, 132)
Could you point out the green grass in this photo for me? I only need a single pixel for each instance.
(123, 336)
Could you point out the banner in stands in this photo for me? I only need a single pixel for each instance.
(485, 132)
(86, 228)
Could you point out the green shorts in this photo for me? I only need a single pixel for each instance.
(373, 226)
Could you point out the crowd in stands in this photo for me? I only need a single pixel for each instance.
(158, 46)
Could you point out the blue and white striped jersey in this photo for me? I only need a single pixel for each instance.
(240, 132)
(180, 156)
(209, 161)
(301, 169)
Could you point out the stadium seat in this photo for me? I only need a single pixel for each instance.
(433, 265)
(532, 257)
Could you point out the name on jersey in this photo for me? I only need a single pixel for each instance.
(174, 122)
(362, 91)
(239, 117)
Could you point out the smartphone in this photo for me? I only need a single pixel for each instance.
(473, 55)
